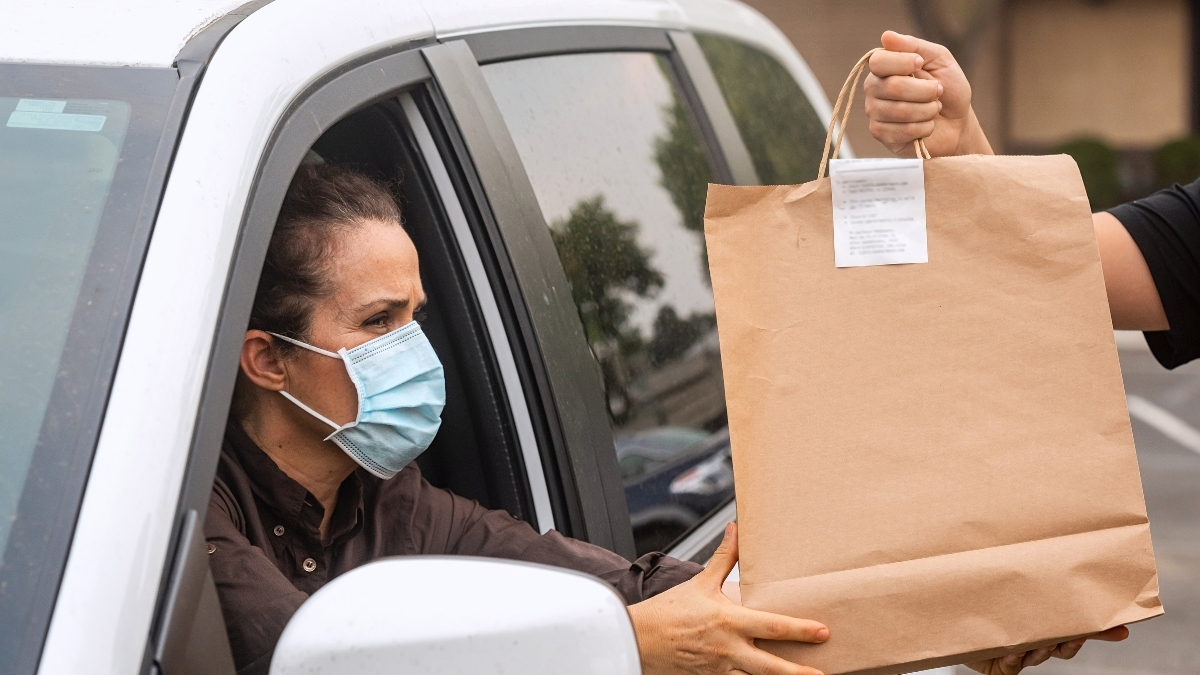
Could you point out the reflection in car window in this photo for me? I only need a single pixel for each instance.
(57, 160)
(777, 122)
(621, 178)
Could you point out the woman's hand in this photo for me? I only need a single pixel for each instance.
(695, 628)
(1013, 663)
(917, 90)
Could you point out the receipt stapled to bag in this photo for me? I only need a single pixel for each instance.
(878, 212)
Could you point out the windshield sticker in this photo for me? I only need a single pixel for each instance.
(38, 105)
(28, 119)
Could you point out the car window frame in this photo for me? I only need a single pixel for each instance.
(589, 452)
(373, 77)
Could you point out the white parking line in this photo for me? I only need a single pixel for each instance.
(1169, 425)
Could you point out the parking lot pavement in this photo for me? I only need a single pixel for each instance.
(1165, 408)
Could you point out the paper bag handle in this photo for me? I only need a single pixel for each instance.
(845, 102)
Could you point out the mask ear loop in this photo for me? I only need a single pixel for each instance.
(314, 413)
(305, 345)
(336, 427)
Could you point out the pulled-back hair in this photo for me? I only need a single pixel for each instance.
(323, 202)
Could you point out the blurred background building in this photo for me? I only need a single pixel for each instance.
(1111, 82)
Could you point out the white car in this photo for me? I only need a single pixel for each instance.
(552, 158)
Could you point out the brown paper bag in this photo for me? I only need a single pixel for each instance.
(935, 460)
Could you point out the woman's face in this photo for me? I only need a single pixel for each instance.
(376, 286)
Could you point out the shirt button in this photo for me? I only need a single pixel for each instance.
(309, 564)
(278, 530)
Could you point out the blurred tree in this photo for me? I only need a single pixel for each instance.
(673, 335)
(605, 265)
(781, 130)
(1099, 164)
(603, 262)
(684, 167)
(1177, 162)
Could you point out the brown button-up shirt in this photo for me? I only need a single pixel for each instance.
(267, 557)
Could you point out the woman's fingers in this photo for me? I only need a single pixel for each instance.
(768, 626)
(1068, 650)
(757, 662)
(723, 559)
(1011, 664)
(1037, 656)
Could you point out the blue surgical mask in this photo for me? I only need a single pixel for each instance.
(401, 393)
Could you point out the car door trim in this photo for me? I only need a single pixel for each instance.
(708, 97)
(570, 391)
(520, 43)
(490, 309)
(352, 86)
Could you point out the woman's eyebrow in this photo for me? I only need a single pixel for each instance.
(393, 304)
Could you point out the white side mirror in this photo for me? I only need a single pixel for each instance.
(457, 614)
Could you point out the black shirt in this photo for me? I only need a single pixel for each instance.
(267, 557)
(1166, 227)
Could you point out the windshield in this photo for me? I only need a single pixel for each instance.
(57, 159)
(77, 149)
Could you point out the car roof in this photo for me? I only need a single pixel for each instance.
(152, 32)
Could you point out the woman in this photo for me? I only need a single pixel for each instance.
(304, 493)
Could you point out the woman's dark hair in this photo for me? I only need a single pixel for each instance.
(323, 202)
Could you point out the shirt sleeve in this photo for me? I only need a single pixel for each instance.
(1166, 227)
(257, 600)
(446, 524)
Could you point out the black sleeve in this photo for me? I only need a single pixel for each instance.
(1166, 227)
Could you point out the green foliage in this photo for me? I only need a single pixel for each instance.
(781, 130)
(604, 263)
(1177, 162)
(684, 167)
(1100, 166)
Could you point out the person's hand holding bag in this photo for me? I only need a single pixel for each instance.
(916, 89)
(694, 628)
(1014, 663)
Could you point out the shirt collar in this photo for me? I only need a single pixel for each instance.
(287, 497)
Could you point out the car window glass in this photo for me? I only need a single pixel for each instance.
(57, 160)
(621, 177)
(777, 122)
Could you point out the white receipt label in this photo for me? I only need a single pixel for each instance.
(878, 212)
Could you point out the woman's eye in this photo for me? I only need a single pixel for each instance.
(420, 315)
(380, 319)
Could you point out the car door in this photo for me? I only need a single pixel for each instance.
(385, 114)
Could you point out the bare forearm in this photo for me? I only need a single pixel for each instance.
(1133, 298)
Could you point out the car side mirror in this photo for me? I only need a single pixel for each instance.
(427, 614)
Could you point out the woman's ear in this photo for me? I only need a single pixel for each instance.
(261, 363)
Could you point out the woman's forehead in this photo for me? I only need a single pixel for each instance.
(376, 257)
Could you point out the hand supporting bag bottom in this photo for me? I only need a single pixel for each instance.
(935, 460)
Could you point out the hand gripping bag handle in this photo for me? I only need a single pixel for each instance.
(845, 101)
